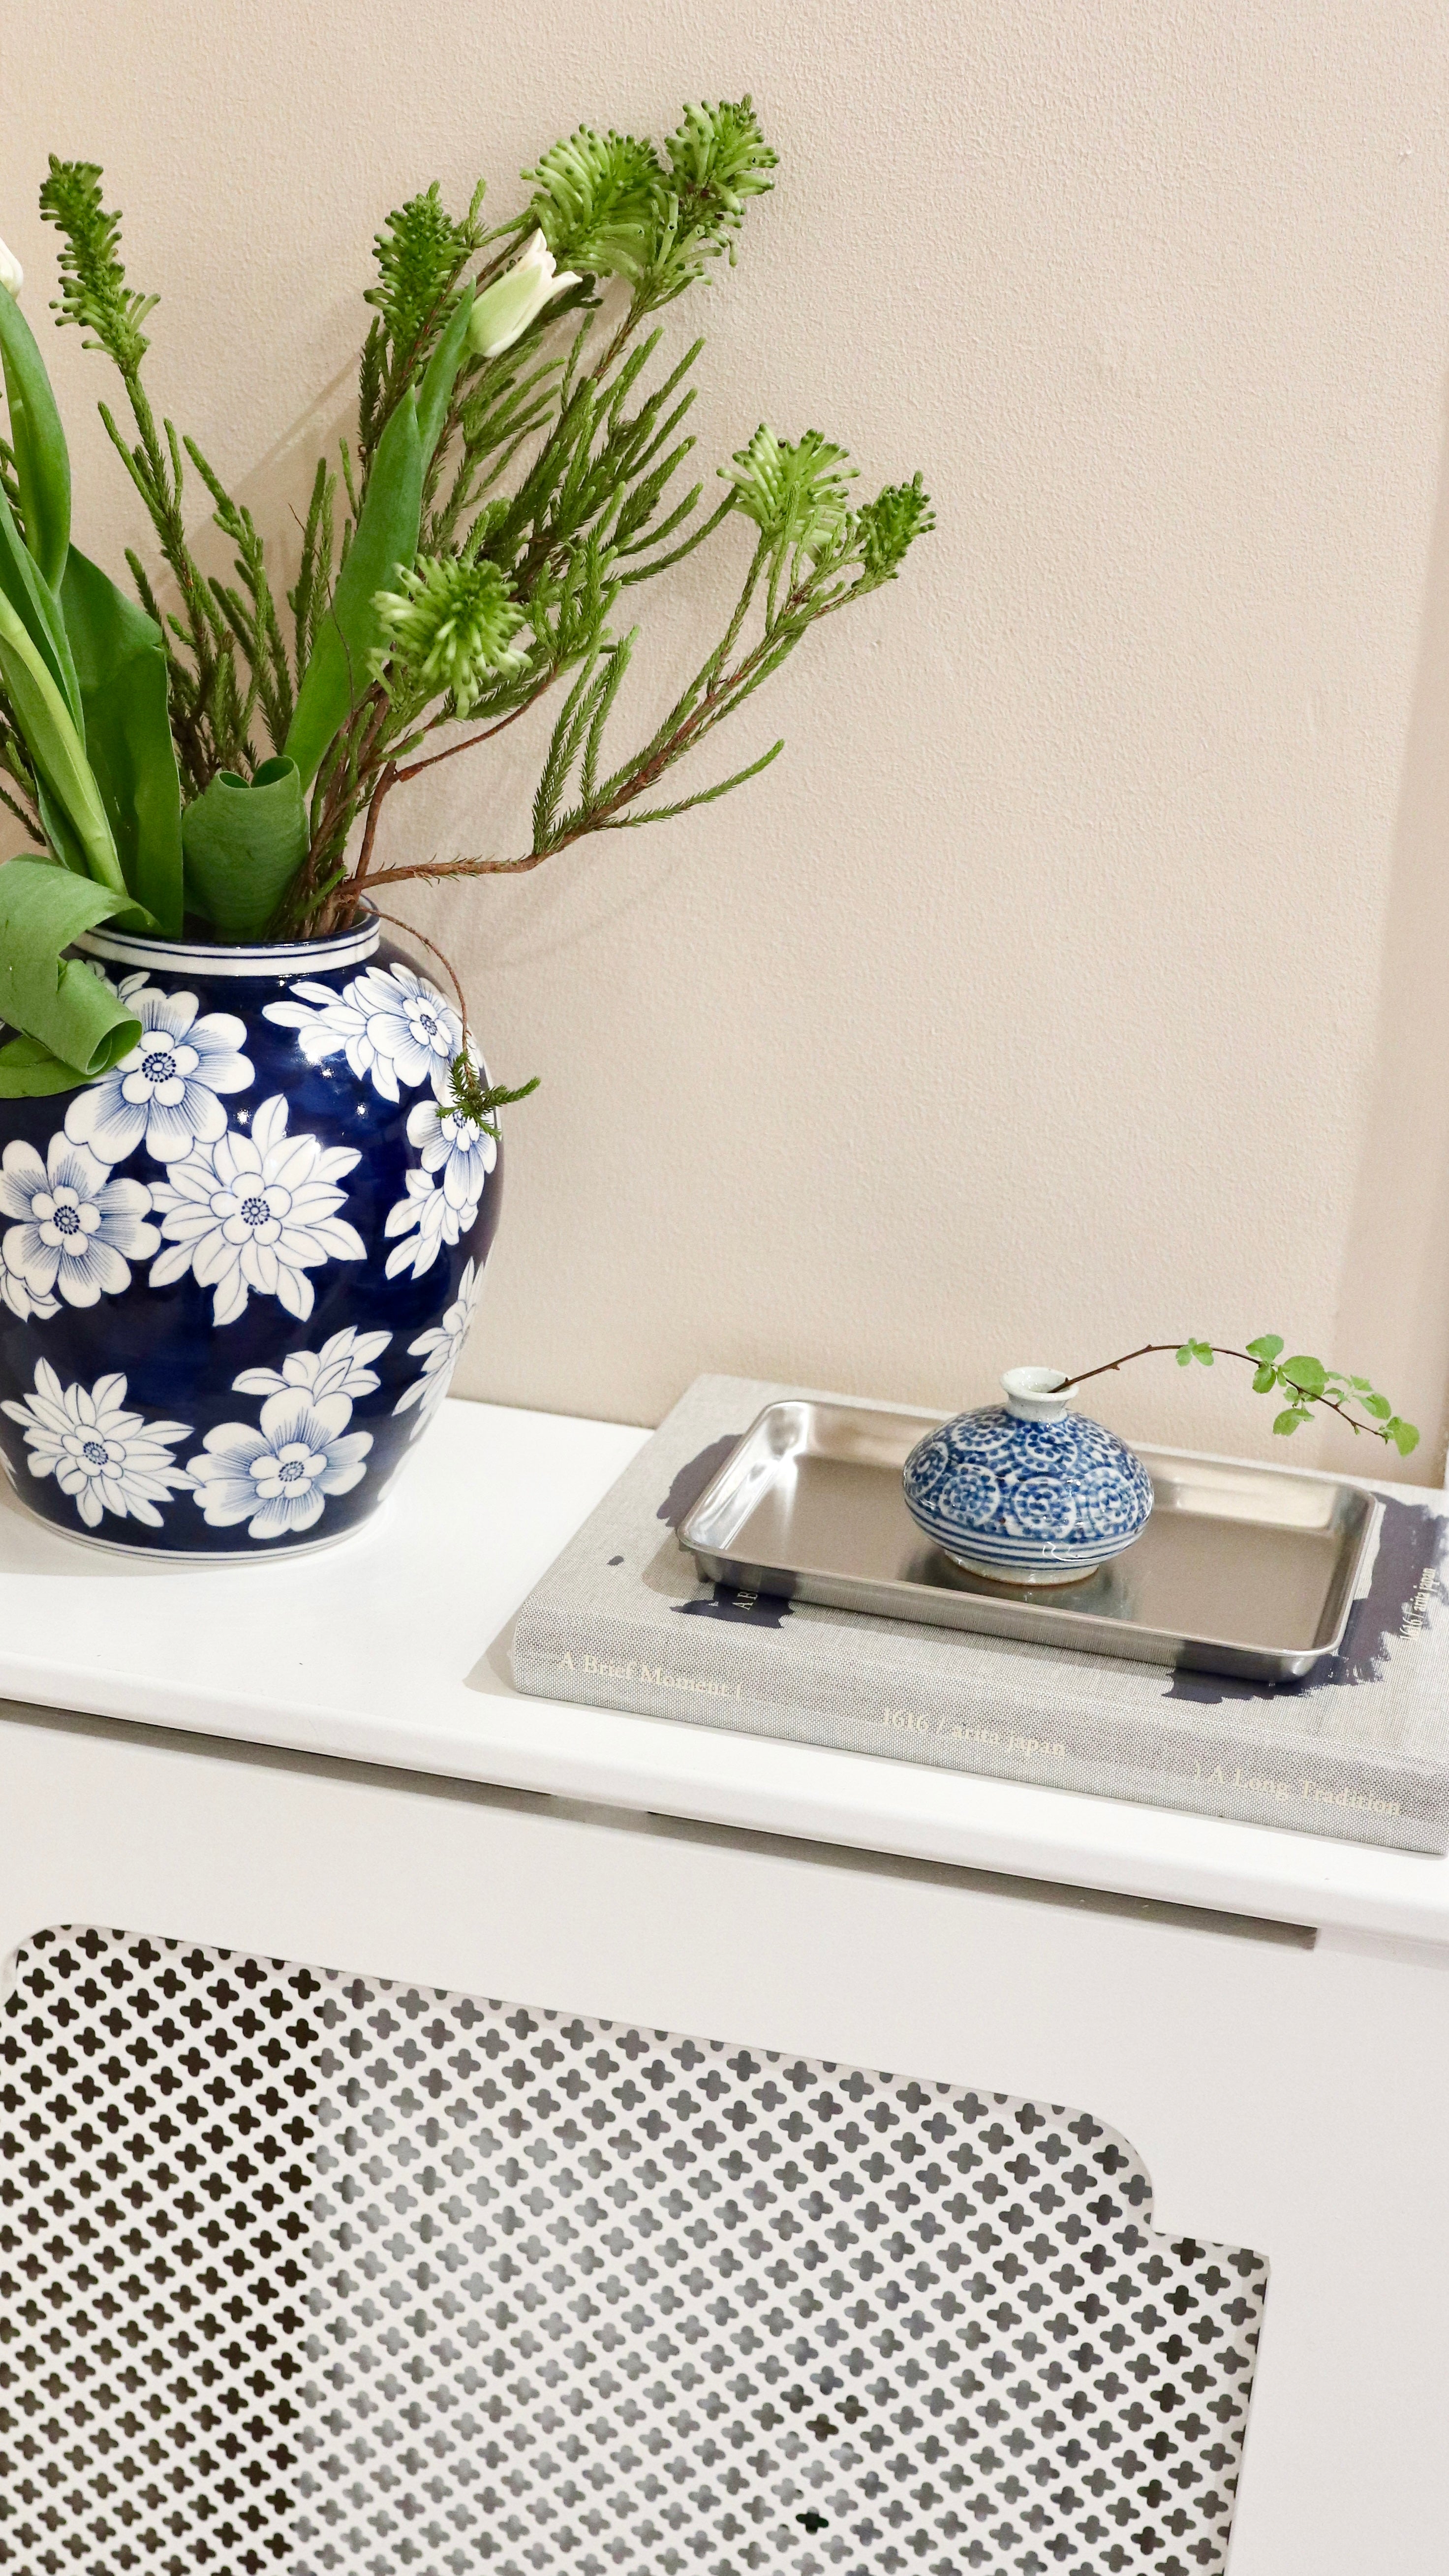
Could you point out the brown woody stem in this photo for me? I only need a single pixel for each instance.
(387, 777)
(1141, 1353)
(415, 768)
(431, 869)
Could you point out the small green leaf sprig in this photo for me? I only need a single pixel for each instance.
(1303, 1381)
(468, 1095)
(471, 1097)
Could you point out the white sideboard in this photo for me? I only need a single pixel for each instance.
(324, 1761)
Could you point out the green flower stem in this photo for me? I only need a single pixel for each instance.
(634, 315)
(194, 703)
(705, 702)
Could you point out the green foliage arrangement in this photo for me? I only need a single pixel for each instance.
(214, 758)
(1302, 1381)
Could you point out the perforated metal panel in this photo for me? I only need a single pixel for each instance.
(312, 2270)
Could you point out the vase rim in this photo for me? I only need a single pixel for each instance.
(284, 959)
(1036, 1394)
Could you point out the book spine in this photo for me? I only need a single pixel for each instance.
(1177, 1760)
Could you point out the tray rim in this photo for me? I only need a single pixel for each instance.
(1294, 1663)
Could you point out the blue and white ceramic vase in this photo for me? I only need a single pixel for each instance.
(1028, 1491)
(236, 1273)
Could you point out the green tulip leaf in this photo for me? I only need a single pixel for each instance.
(34, 603)
(436, 390)
(54, 742)
(30, 1071)
(385, 544)
(59, 830)
(70, 1025)
(37, 440)
(244, 844)
(121, 667)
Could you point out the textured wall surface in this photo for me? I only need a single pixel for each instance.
(1078, 976)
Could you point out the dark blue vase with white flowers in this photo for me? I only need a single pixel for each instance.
(237, 1271)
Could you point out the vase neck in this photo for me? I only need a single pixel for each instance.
(1034, 1394)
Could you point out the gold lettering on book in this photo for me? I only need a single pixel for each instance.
(1026, 1748)
(1031, 1747)
(658, 1676)
(1314, 1793)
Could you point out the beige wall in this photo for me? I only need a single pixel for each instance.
(1079, 974)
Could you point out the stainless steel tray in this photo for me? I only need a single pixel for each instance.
(1241, 1569)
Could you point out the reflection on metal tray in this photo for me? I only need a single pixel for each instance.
(1241, 1569)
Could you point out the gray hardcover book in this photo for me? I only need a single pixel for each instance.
(1359, 1751)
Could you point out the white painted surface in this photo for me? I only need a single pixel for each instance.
(1078, 975)
(1290, 2099)
(393, 1649)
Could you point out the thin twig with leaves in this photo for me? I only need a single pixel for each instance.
(1304, 1381)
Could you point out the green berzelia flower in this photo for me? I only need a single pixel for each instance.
(449, 628)
(795, 490)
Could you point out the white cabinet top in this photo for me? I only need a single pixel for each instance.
(393, 1648)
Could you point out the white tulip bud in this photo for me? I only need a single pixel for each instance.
(504, 310)
(11, 272)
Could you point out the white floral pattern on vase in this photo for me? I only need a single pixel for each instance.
(277, 1476)
(169, 1089)
(440, 1350)
(26, 1308)
(269, 1229)
(428, 1221)
(461, 1148)
(341, 1367)
(76, 1231)
(256, 1212)
(393, 1026)
(106, 1459)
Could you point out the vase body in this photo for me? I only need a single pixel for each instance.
(237, 1272)
(1027, 1492)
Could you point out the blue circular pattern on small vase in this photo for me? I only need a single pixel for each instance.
(1024, 1499)
(1042, 1507)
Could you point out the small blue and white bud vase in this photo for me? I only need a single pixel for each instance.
(1029, 1491)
